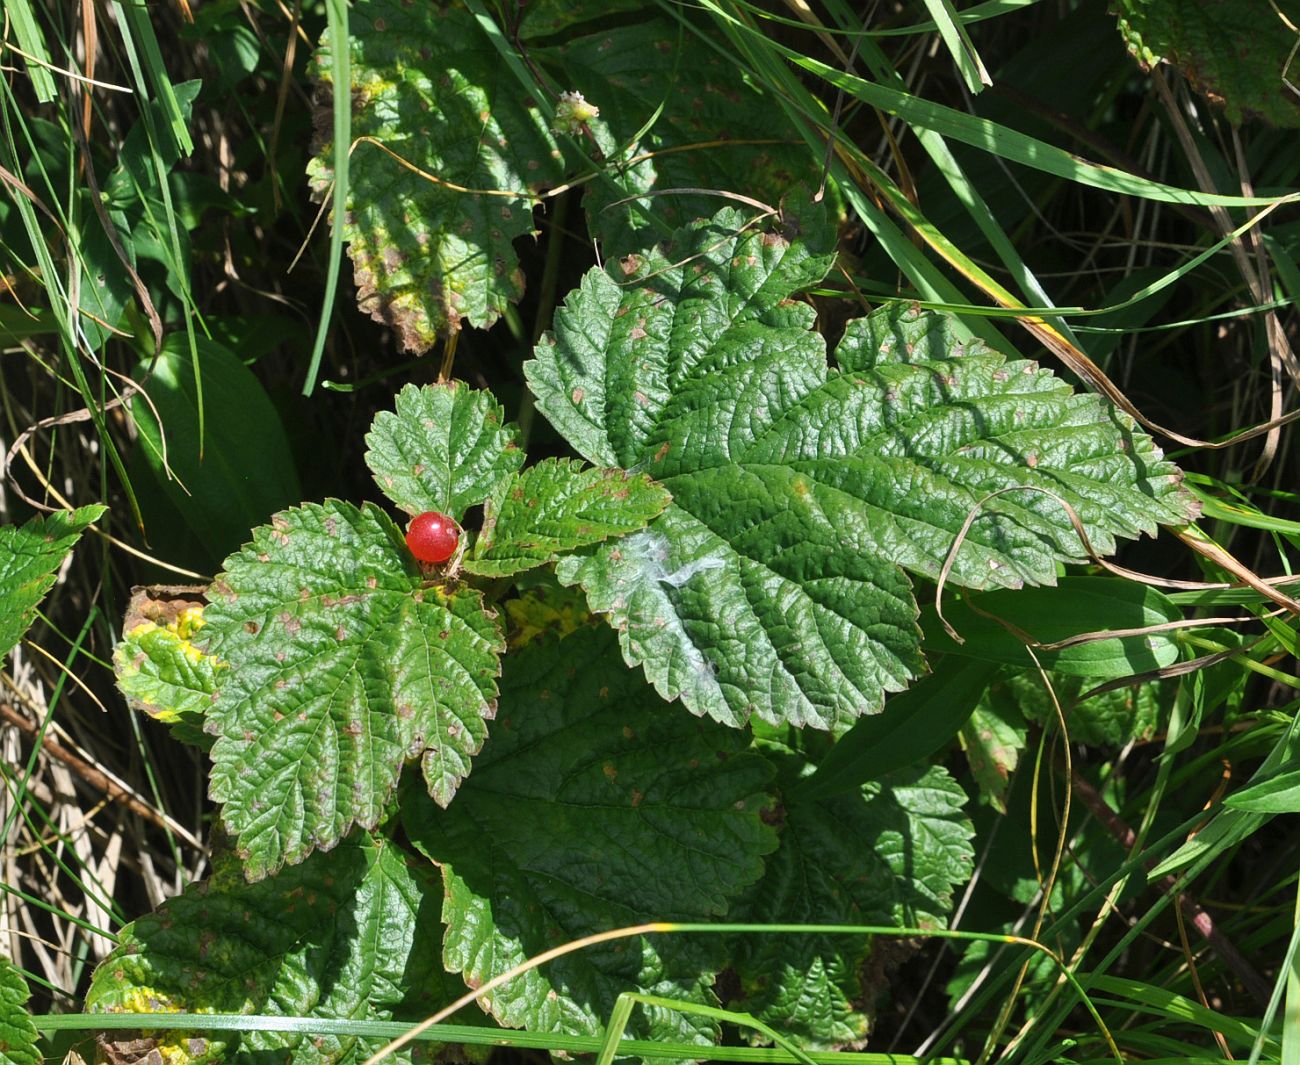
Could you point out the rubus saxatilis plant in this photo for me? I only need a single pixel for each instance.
(750, 525)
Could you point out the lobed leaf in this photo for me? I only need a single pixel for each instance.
(1109, 719)
(432, 214)
(593, 808)
(888, 854)
(30, 557)
(556, 507)
(344, 663)
(443, 447)
(18, 1035)
(349, 935)
(774, 585)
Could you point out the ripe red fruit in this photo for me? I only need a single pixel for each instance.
(433, 537)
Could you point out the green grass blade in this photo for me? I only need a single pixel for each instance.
(959, 44)
(472, 1035)
(1291, 1014)
(32, 42)
(137, 26)
(337, 13)
(997, 139)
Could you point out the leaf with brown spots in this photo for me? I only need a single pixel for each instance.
(352, 665)
(1239, 53)
(556, 507)
(351, 934)
(442, 447)
(775, 585)
(160, 670)
(449, 156)
(593, 806)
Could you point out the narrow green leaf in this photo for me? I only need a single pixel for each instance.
(957, 40)
(30, 557)
(554, 508)
(135, 21)
(799, 490)
(1228, 826)
(334, 175)
(1076, 606)
(344, 663)
(916, 723)
(1002, 141)
(351, 934)
(593, 806)
(1277, 794)
(199, 504)
(18, 1035)
(444, 448)
(32, 41)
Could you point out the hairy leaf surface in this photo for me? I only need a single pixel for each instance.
(774, 584)
(554, 508)
(30, 557)
(350, 934)
(18, 1035)
(450, 157)
(442, 447)
(592, 807)
(1237, 52)
(889, 854)
(344, 664)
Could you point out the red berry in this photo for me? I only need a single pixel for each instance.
(433, 537)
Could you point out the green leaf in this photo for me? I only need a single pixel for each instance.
(593, 806)
(105, 287)
(1278, 793)
(18, 1035)
(431, 247)
(30, 557)
(1076, 606)
(889, 854)
(221, 484)
(554, 508)
(1110, 719)
(160, 670)
(351, 934)
(993, 739)
(674, 119)
(344, 663)
(800, 490)
(443, 448)
(919, 722)
(1235, 53)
